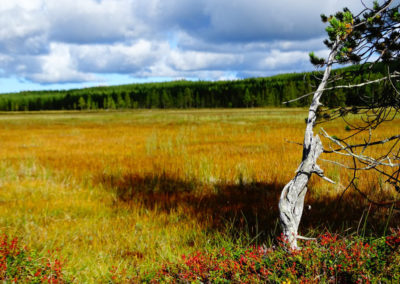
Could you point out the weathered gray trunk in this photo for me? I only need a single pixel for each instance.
(291, 202)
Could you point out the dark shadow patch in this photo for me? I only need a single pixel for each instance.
(248, 207)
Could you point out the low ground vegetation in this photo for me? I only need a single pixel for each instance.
(328, 259)
(19, 264)
(122, 196)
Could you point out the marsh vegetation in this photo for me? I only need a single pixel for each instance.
(138, 189)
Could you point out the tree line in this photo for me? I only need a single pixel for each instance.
(252, 92)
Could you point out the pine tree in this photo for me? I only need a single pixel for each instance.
(154, 99)
(81, 103)
(352, 39)
(247, 101)
(111, 103)
(179, 100)
(89, 102)
(120, 101)
(128, 102)
(165, 100)
(187, 97)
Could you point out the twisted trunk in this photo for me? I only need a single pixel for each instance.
(291, 202)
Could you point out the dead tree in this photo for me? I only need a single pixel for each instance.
(366, 39)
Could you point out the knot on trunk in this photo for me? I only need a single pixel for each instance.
(310, 155)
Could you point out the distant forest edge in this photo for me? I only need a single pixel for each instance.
(252, 92)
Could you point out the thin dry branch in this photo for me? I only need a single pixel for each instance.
(370, 162)
(364, 145)
(395, 75)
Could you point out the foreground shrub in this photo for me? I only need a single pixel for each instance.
(329, 259)
(18, 264)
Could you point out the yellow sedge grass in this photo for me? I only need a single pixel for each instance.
(68, 179)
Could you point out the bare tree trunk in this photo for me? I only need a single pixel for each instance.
(291, 202)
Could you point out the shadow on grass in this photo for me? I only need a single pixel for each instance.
(249, 207)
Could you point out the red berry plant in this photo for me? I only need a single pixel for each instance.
(18, 264)
(328, 259)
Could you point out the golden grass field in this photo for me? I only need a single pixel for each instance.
(135, 189)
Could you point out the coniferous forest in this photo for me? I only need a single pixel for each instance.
(252, 92)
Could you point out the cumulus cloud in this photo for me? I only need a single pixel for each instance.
(249, 21)
(119, 58)
(85, 21)
(59, 41)
(22, 31)
(56, 67)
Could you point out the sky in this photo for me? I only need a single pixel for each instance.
(63, 44)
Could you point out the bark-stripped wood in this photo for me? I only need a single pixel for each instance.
(291, 202)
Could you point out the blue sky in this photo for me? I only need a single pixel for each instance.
(59, 44)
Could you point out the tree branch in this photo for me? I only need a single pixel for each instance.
(396, 75)
(367, 144)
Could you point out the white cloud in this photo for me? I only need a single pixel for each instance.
(278, 59)
(119, 58)
(22, 31)
(59, 66)
(55, 41)
(248, 21)
(194, 60)
(89, 21)
(29, 5)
